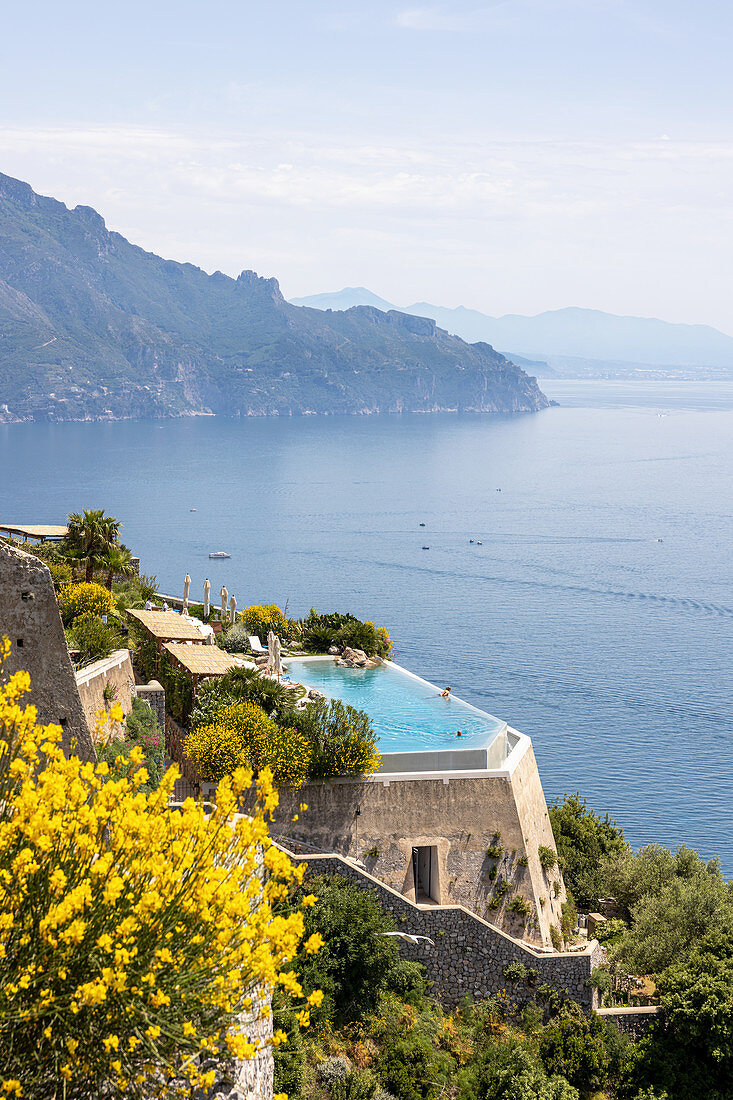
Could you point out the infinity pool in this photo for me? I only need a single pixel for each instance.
(408, 713)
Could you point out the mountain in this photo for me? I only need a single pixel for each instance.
(344, 299)
(93, 327)
(575, 339)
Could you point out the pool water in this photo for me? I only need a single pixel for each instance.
(407, 712)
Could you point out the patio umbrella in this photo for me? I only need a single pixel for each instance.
(186, 587)
(207, 590)
(276, 656)
(232, 609)
(271, 647)
(224, 597)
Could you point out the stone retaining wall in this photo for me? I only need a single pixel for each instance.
(469, 955)
(92, 680)
(635, 1021)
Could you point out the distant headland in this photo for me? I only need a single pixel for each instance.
(95, 328)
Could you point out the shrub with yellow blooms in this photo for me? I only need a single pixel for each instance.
(84, 598)
(130, 935)
(242, 734)
(261, 618)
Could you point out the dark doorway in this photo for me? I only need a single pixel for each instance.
(424, 873)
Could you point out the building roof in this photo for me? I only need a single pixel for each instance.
(168, 626)
(202, 660)
(35, 530)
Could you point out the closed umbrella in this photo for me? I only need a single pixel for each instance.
(271, 647)
(224, 597)
(207, 591)
(232, 609)
(186, 587)
(277, 661)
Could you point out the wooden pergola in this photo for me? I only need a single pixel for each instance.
(168, 626)
(39, 532)
(202, 660)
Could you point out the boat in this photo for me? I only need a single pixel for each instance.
(426, 547)
(219, 554)
(192, 509)
(422, 524)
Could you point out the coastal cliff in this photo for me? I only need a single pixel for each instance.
(93, 327)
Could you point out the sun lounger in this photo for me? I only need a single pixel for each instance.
(256, 644)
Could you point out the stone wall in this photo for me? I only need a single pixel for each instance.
(380, 819)
(469, 955)
(154, 695)
(29, 616)
(634, 1022)
(92, 680)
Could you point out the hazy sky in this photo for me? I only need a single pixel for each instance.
(514, 156)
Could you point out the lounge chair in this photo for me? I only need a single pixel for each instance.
(256, 645)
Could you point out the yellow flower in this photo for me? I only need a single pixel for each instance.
(112, 1042)
(314, 943)
(316, 998)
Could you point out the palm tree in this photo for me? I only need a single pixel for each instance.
(91, 537)
(118, 563)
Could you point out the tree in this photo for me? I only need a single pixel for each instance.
(584, 841)
(357, 965)
(573, 1046)
(507, 1070)
(118, 563)
(91, 537)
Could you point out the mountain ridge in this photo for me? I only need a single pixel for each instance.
(573, 333)
(94, 327)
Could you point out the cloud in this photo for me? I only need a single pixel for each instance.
(438, 19)
(629, 226)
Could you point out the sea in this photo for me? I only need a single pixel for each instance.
(567, 571)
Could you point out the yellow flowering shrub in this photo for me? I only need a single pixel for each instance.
(84, 598)
(130, 934)
(261, 618)
(242, 734)
(386, 645)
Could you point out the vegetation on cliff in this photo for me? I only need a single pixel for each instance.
(94, 327)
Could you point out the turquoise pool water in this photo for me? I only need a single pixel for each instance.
(408, 713)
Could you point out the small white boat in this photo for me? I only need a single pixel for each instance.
(219, 554)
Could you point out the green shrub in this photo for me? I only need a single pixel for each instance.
(610, 931)
(357, 965)
(548, 857)
(574, 1046)
(523, 861)
(289, 1057)
(556, 937)
(93, 638)
(520, 906)
(585, 841)
(235, 639)
(321, 631)
(494, 851)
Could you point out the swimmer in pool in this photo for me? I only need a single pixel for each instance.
(459, 734)
(445, 693)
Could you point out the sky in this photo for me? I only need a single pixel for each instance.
(511, 157)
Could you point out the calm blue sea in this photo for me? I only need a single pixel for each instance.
(571, 620)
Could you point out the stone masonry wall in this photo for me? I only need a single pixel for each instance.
(92, 680)
(379, 820)
(29, 616)
(469, 955)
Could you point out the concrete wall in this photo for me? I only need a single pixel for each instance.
(379, 820)
(469, 955)
(29, 616)
(92, 680)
